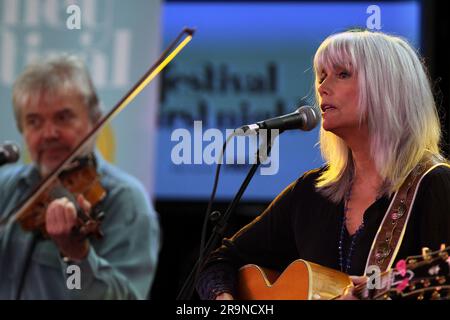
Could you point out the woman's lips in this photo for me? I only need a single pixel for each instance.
(327, 108)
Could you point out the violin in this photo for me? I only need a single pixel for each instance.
(80, 178)
(74, 176)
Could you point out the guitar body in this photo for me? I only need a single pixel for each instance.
(301, 280)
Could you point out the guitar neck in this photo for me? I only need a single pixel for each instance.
(376, 286)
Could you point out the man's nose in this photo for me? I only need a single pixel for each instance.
(50, 131)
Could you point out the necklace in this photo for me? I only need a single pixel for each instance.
(345, 262)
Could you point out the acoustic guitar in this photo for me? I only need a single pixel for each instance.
(421, 277)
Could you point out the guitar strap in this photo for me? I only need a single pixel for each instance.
(392, 229)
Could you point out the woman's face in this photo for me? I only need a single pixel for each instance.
(338, 93)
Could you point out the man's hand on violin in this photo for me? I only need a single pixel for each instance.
(62, 225)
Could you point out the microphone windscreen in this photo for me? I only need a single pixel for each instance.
(312, 117)
(11, 152)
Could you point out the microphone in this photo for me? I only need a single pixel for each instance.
(304, 118)
(9, 152)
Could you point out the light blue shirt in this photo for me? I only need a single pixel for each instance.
(121, 265)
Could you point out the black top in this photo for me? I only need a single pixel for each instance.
(302, 224)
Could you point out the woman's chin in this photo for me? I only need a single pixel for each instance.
(328, 126)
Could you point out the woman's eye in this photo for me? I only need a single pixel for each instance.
(344, 75)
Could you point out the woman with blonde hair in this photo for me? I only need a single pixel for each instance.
(379, 123)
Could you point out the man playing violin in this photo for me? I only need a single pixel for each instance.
(56, 106)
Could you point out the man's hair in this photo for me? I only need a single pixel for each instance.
(396, 101)
(57, 75)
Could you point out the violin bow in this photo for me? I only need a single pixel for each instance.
(184, 37)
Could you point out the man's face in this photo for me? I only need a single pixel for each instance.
(53, 127)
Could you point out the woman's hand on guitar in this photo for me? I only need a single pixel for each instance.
(224, 296)
(348, 293)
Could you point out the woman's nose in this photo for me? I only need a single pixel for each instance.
(324, 88)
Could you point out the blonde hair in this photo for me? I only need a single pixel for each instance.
(395, 99)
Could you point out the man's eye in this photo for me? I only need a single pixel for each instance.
(64, 117)
(33, 122)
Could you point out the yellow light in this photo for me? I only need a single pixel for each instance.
(152, 75)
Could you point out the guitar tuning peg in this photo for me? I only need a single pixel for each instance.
(436, 295)
(426, 253)
(441, 280)
(443, 252)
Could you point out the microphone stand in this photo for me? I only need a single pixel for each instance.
(220, 227)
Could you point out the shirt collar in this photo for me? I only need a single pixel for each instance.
(29, 175)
